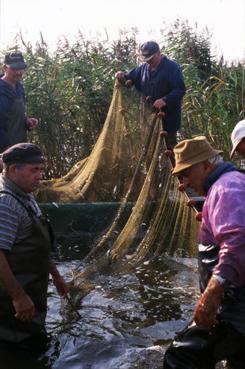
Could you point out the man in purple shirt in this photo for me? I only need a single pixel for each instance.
(218, 328)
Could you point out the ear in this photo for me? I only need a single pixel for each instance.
(11, 170)
(207, 166)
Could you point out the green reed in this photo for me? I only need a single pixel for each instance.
(70, 89)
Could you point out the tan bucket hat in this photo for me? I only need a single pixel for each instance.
(192, 151)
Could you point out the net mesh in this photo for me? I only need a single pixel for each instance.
(104, 175)
(128, 164)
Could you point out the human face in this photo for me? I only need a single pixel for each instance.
(27, 176)
(155, 60)
(13, 75)
(240, 149)
(194, 177)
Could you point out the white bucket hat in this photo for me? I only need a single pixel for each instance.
(237, 135)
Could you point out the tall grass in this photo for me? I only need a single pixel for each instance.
(70, 90)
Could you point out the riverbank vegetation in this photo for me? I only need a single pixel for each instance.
(70, 89)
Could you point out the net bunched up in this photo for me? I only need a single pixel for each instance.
(104, 175)
(128, 164)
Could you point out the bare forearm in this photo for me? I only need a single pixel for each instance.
(208, 305)
(53, 270)
(58, 281)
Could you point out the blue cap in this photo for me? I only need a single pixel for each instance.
(15, 61)
(148, 49)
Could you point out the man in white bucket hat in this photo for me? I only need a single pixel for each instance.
(238, 139)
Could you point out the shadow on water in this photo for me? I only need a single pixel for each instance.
(121, 313)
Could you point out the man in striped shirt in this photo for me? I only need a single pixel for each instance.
(25, 244)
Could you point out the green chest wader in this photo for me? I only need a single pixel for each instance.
(17, 122)
(28, 260)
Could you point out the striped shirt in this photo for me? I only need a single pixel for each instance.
(15, 222)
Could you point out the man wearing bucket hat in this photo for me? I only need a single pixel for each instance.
(238, 139)
(217, 331)
(26, 241)
(161, 83)
(13, 121)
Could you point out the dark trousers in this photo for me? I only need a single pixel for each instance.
(197, 348)
(171, 140)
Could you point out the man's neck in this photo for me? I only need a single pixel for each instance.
(9, 81)
(156, 63)
(14, 186)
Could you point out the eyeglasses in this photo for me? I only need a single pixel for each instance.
(148, 57)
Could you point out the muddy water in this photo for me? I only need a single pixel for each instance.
(121, 313)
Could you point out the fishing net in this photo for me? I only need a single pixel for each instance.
(105, 175)
(128, 164)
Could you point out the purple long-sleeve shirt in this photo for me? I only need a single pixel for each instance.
(223, 224)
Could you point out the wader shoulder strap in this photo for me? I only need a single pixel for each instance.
(28, 208)
(32, 213)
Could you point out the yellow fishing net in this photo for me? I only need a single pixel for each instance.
(105, 174)
(128, 164)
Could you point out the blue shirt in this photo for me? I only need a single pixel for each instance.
(8, 96)
(165, 82)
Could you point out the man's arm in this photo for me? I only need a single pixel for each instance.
(228, 224)
(121, 76)
(9, 225)
(23, 305)
(61, 286)
(208, 305)
(5, 104)
(177, 89)
(226, 216)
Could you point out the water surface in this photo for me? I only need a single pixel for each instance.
(117, 313)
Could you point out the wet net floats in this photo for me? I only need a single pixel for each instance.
(127, 164)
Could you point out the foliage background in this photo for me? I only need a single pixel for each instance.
(70, 90)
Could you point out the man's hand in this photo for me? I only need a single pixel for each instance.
(182, 187)
(159, 104)
(119, 75)
(31, 123)
(129, 83)
(207, 307)
(61, 286)
(24, 307)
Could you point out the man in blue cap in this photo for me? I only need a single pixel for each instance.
(13, 121)
(161, 82)
(25, 245)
